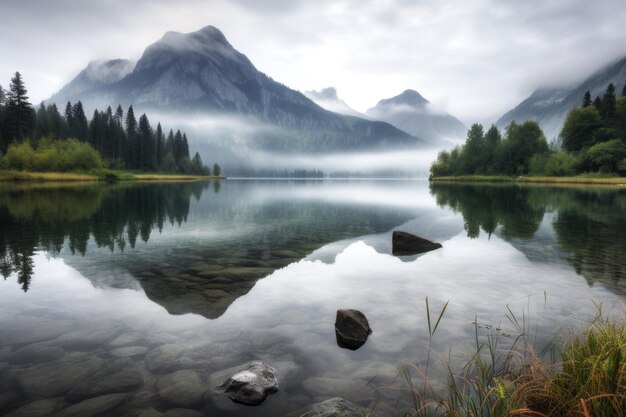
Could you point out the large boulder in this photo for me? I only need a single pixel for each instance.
(351, 329)
(406, 244)
(251, 385)
(335, 407)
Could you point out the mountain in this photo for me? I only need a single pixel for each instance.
(200, 74)
(327, 98)
(413, 113)
(549, 106)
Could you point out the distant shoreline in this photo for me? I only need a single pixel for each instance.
(26, 176)
(582, 180)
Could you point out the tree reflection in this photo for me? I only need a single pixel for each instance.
(112, 215)
(491, 206)
(589, 224)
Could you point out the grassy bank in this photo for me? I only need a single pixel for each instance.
(584, 377)
(99, 175)
(621, 181)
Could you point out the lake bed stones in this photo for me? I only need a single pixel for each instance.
(251, 385)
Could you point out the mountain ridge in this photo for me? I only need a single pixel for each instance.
(549, 106)
(201, 73)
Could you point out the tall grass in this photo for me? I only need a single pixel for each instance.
(584, 376)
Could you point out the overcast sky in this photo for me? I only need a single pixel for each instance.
(476, 59)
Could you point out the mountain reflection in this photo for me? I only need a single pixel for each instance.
(46, 218)
(588, 225)
(229, 240)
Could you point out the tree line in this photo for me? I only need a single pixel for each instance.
(121, 140)
(593, 139)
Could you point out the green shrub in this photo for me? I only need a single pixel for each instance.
(52, 155)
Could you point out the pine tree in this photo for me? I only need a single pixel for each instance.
(160, 146)
(147, 146)
(185, 146)
(178, 145)
(20, 116)
(69, 121)
(132, 158)
(42, 123)
(608, 103)
(624, 91)
(597, 103)
(587, 99)
(2, 101)
(169, 143)
(57, 124)
(216, 170)
(81, 125)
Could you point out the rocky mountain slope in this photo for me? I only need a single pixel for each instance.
(549, 106)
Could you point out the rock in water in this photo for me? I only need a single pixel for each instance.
(406, 244)
(351, 329)
(335, 407)
(251, 385)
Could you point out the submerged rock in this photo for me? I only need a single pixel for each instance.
(167, 358)
(120, 379)
(406, 244)
(46, 407)
(251, 385)
(335, 407)
(53, 379)
(98, 406)
(182, 412)
(351, 329)
(181, 389)
(35, 353)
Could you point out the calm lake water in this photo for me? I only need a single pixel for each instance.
(110, 289)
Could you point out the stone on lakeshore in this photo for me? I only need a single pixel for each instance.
(251, 385)
(406, 244)
(335, 407)
(351, 329)
(181, 389)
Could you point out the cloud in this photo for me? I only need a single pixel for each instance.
(473, 59)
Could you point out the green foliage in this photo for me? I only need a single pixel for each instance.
(50, 155)
(606, 156)
(169, 163)
(217, 171)
(593, 378)
(580, 128)
(490, 154)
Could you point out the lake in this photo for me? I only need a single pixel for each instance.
(111, 289)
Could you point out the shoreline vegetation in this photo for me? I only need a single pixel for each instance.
(580, 373)
(100, 175)
(578, 180)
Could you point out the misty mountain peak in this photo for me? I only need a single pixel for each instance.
(328, 93)
(107, 72)
(411, 112)
(408, 97)
(208, 42)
